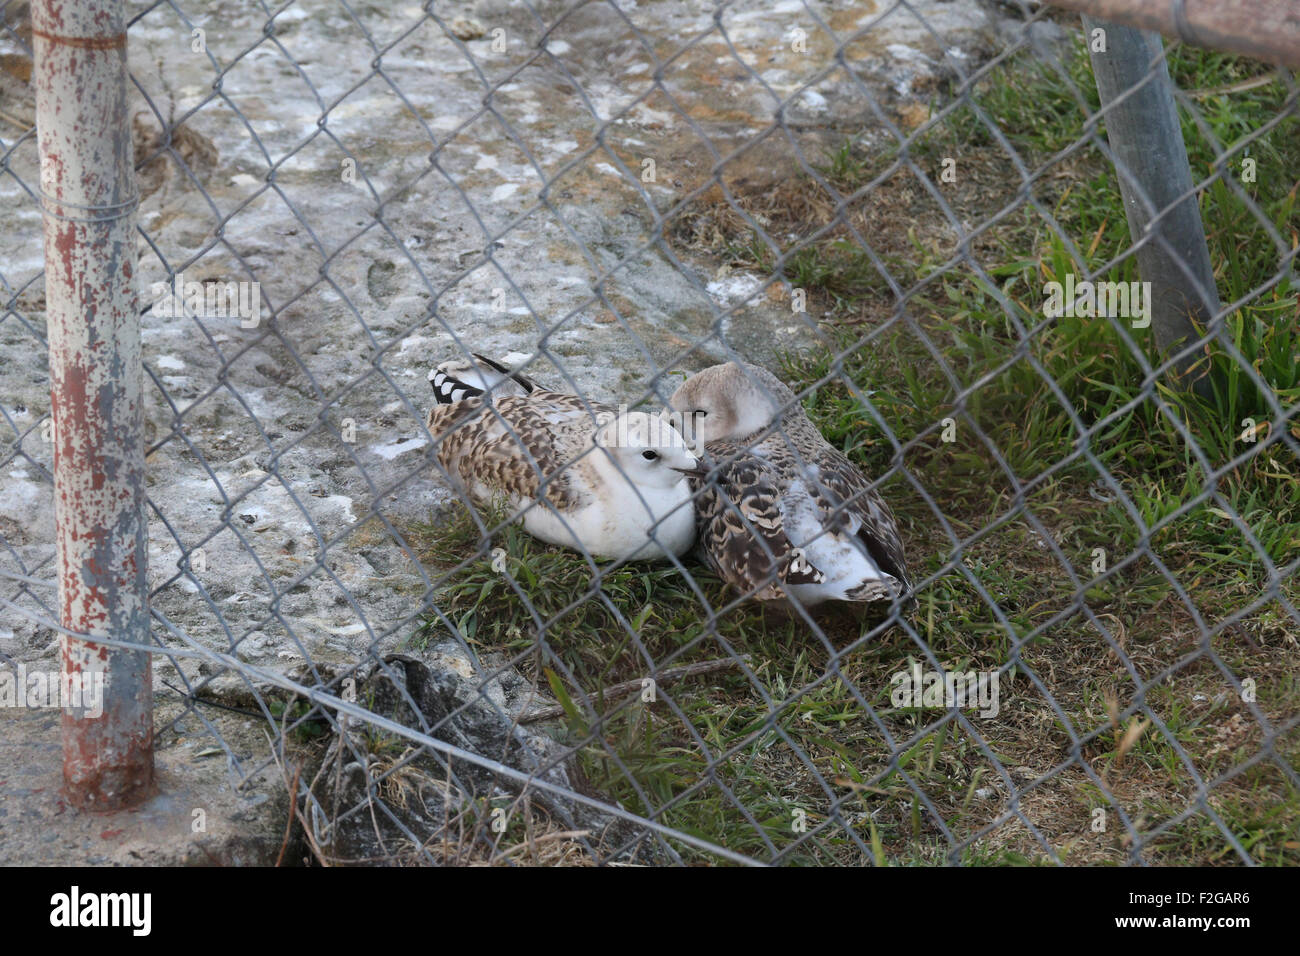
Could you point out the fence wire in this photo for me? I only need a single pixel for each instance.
(336, 197)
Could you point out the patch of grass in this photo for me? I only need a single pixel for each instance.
(1065, 407)
(303, 721)
(591, 631)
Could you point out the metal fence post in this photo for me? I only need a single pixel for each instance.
(1267, 30)
(96, 386)
(1155, 180)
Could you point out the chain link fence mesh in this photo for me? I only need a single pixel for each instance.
(872, 200)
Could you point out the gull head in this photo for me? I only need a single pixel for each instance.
(728, 401)
(648, 450)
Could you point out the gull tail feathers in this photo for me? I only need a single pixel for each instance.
(458, 379)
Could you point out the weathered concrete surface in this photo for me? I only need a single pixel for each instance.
(249, 461)
(196, 817)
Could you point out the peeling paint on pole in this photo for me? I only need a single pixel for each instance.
(96, 391)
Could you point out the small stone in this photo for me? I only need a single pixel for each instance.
(467, 28)
(252, 647)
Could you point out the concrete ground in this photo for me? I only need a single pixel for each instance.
(196, 818)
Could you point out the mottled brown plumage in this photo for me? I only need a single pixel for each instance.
(521, 450)
(784, 512)
(577, 474)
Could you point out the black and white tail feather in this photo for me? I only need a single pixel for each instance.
(458, 379)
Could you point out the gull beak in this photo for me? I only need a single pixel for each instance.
(698, 470)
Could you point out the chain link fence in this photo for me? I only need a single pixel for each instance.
(920, 215)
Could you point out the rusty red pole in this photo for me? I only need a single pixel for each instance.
(1263, 29)
(96, 388)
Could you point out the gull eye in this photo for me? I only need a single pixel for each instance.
(649, 455)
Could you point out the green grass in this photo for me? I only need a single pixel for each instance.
(1040, 395)
(1029, 375)
(643, 755)
(989, 329)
